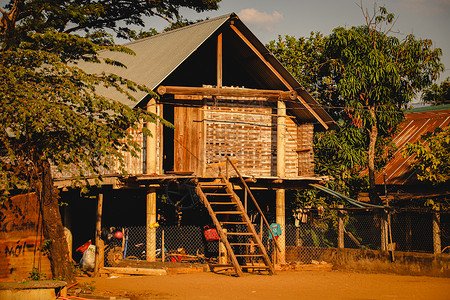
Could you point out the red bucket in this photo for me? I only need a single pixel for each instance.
(210, 234)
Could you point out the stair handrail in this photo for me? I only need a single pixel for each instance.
(254, 200)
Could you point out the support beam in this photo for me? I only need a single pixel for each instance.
(281, 173)
(227, 92)
(278, 75)
(219, 61)
(151, 231)
(151, 141)
(281, 139)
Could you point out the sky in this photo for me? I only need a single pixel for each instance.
(267, 19)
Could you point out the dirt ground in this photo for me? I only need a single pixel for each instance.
(283, 285)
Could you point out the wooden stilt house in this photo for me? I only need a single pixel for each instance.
(234, 106)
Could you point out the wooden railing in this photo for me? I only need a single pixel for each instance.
(247, 189)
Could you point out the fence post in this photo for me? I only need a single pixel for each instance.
(437, 232)
(340, 228)
(384, 231)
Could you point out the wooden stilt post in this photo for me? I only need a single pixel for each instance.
(99, 244)
(151, 144)
(437, 232)
(281, 172)
(340, 228)
(151, 232)
(151, 195)
(219, 61)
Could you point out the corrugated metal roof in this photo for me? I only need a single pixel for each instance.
(156, 57)
(159, 56)
(398, 169)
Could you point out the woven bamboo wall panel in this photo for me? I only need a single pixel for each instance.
(291, 160)
(248, 134)
(305, 149)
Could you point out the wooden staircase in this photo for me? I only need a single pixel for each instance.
(227, 212)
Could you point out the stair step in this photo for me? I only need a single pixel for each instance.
(249, 255)
(222, 203)
(232, 223)
(217, 194)
(243, 244)
(228, 212)
(239, 233)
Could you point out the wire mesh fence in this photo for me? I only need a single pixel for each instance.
(305, 242)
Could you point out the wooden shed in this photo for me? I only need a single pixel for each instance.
(228, 97)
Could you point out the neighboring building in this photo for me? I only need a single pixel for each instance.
(401, 181)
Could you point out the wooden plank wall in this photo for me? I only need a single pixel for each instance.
(246, 131)
(188, 136)
(19, 239)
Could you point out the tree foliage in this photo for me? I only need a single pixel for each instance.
(51, 111)
(366, 77)
(432, 153)
(437, 94)
(377, 74)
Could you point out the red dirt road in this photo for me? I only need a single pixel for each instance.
(284, 285)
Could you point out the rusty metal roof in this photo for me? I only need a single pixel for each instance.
(398, 170)
(187, 56)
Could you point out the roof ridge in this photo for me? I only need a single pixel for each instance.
(178, 29)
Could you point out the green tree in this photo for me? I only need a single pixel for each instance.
(377, 75)
(432, 155)
(437, 94)
(365, 76)
(50, 110)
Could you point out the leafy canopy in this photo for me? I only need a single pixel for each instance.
(365, 76)
(51, 110)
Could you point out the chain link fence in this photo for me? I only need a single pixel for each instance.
(305, 241)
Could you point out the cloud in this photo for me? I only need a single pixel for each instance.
(262, 20)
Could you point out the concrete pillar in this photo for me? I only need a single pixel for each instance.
(281, 219)
(281, 173)
(151, 232)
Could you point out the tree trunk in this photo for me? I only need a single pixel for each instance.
(52, 224)
(372, 142)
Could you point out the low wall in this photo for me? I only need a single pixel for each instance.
(406, 263)
(20, 241)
